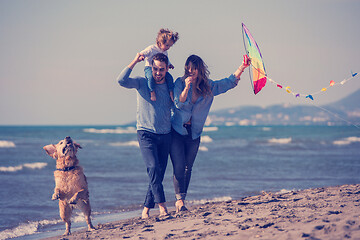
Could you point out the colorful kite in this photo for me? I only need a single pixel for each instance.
(257, 69)
(258, 74)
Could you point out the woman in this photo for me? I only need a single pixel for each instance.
(194, 94)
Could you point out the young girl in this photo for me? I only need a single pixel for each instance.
(165, 39)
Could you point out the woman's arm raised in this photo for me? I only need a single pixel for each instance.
(246, 63)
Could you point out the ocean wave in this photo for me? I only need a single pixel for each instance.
(125, 144)
(266, 129)
(210, 129)
(206, 139)
(216, 199)
(118, 130)
(36, 165)
(203, 148)
(7, 144)
(283, 191)
(26, 229)
(346, 141)
(280, 140)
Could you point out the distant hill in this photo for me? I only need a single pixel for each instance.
(349, 103)
(342, 112)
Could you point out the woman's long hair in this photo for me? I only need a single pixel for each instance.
(201, 85)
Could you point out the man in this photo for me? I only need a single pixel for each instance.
(153, 127)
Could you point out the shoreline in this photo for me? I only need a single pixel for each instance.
(318, 213)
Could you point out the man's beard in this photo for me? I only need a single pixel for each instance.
(157, 79)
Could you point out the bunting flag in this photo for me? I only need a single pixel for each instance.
(311, 96)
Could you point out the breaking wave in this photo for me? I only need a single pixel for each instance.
(210, 129)
(282, 191)
(7, 144)
(125, 144)
(118, 130)
(37, 165)
(203, 148)
(206, 139)
(26, 229)
(346, 141)
(280, 140)
(213, 200)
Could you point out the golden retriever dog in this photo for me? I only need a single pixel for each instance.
(71, 187)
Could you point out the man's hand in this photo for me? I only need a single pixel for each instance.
(138, 58)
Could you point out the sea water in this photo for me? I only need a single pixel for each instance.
(232, 162)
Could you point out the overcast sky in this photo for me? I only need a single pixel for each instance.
(59, 59)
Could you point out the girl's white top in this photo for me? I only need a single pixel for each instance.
(150, 52)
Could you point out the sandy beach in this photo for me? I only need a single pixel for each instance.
(320, 213)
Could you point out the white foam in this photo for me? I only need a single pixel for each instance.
(36, 165)
(125, 144)
(266, 129)
(11, 169)
(203, 148)
(216, 199)
(282, 191)
(78, 217)
(280, 140)
(26, 229)
(206, 139)
(210, 129)
(347, 141)
(118, 130)
(7, 144)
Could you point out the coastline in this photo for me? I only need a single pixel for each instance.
(319, 213)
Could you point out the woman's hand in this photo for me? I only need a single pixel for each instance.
(246, 61)
(184, 93)
(188, 81)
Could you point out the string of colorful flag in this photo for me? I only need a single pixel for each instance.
(311, 96)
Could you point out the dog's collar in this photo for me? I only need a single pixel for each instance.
(66, 169)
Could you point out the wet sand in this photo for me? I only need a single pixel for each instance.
(320, 213)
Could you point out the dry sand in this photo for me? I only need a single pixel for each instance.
(320, 213)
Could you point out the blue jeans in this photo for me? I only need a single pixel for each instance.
(151, 82)
(183, 152)
(155, 151)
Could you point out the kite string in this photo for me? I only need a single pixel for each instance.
(322, 108)
(332, 83)
(315, 105)
(336, 115)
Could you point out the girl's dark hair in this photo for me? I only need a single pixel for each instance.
(202, 86)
